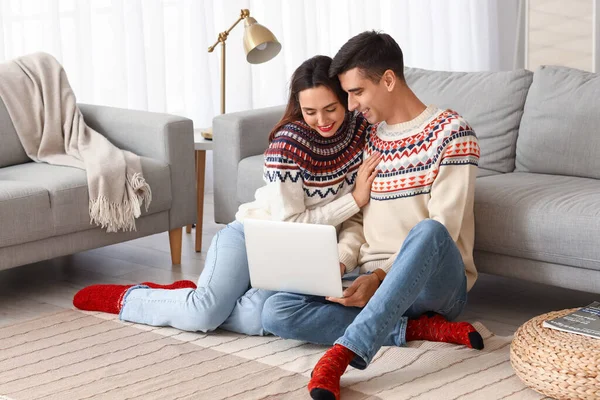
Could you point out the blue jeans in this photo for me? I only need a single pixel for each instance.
(427, 275)
(223, 298)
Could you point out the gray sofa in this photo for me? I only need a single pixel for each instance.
(537, 197)
(44, 208)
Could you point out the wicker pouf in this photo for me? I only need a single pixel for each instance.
(557, 364)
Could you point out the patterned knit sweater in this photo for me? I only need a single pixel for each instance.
(310, 178)
(428, 171)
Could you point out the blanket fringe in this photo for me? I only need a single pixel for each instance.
(121, 216)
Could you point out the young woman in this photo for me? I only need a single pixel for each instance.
(313, 174)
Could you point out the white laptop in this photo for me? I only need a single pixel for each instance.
(293, 257)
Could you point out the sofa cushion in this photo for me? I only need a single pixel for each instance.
(250, 177)
(481, 172)
(68, 191)
(25, 213)
(11, 151)
(559, 129)
(492, 103)
(540, 217)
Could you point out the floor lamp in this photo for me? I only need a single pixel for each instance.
(260, 45)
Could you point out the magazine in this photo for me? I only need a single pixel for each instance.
(585, 321)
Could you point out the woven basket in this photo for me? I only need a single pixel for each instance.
(557, 364)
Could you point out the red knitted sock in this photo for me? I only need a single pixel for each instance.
(435, 328)
(108, 298)
(175, 285)
(325, 381)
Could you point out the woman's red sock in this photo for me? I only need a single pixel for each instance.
(435, 328)
(108, 298)
(325, 381)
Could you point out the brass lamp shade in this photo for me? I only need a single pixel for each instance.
(259, 43)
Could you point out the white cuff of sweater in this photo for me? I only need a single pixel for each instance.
(348, 260)
(345, 208)
(387, 264)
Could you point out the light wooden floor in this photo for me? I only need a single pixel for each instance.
(32, 290)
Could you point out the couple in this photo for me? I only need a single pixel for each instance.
(405, 219)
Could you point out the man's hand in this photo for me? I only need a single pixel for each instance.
(359, 294)
(342, 269)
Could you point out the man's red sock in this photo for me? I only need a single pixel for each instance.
(435, 328)
(108, 298)
(325, 381)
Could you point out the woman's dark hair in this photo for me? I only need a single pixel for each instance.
(311, 73)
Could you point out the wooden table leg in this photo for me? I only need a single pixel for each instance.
(200, 168)
(188, 228)
(175, 239)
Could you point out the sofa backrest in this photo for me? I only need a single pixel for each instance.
(11, 151)
(560, 129)
(491, 102)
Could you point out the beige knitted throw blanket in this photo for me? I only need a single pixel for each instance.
(50, 126)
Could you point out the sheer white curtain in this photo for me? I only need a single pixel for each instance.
(152, 54)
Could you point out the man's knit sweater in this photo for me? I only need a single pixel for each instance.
(428, 170)
(310, 178)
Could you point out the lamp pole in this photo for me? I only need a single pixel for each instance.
(223, 77)
(222, 38)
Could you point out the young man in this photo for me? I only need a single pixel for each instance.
(414, 247)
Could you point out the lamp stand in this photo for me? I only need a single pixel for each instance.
(260, 45)
(223, 77)
(222, 38)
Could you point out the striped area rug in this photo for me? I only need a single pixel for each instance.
(74, 355)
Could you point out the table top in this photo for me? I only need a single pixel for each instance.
(201, 143)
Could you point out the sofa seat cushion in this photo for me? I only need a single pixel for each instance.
(250, 177)
(540, 217)
(68, 191)
(25, 213)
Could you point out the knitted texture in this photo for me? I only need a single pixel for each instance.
(325, 381)
(108, 298)
(412, 161)
(435, 328)
(322, 165)
(310, 178)
(427, 171)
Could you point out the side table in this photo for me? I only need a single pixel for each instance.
(201, 145)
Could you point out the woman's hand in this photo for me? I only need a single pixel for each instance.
(342, 269)
(364, 179)
(359, 294)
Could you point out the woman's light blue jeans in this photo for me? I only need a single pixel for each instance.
(223, 298)
(427, 275)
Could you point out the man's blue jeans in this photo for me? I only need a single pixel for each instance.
(427, 275)
(223, 298)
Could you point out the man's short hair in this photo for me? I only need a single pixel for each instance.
(371, 52)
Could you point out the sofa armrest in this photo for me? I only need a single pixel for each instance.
(163, 137)
(237, 136)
